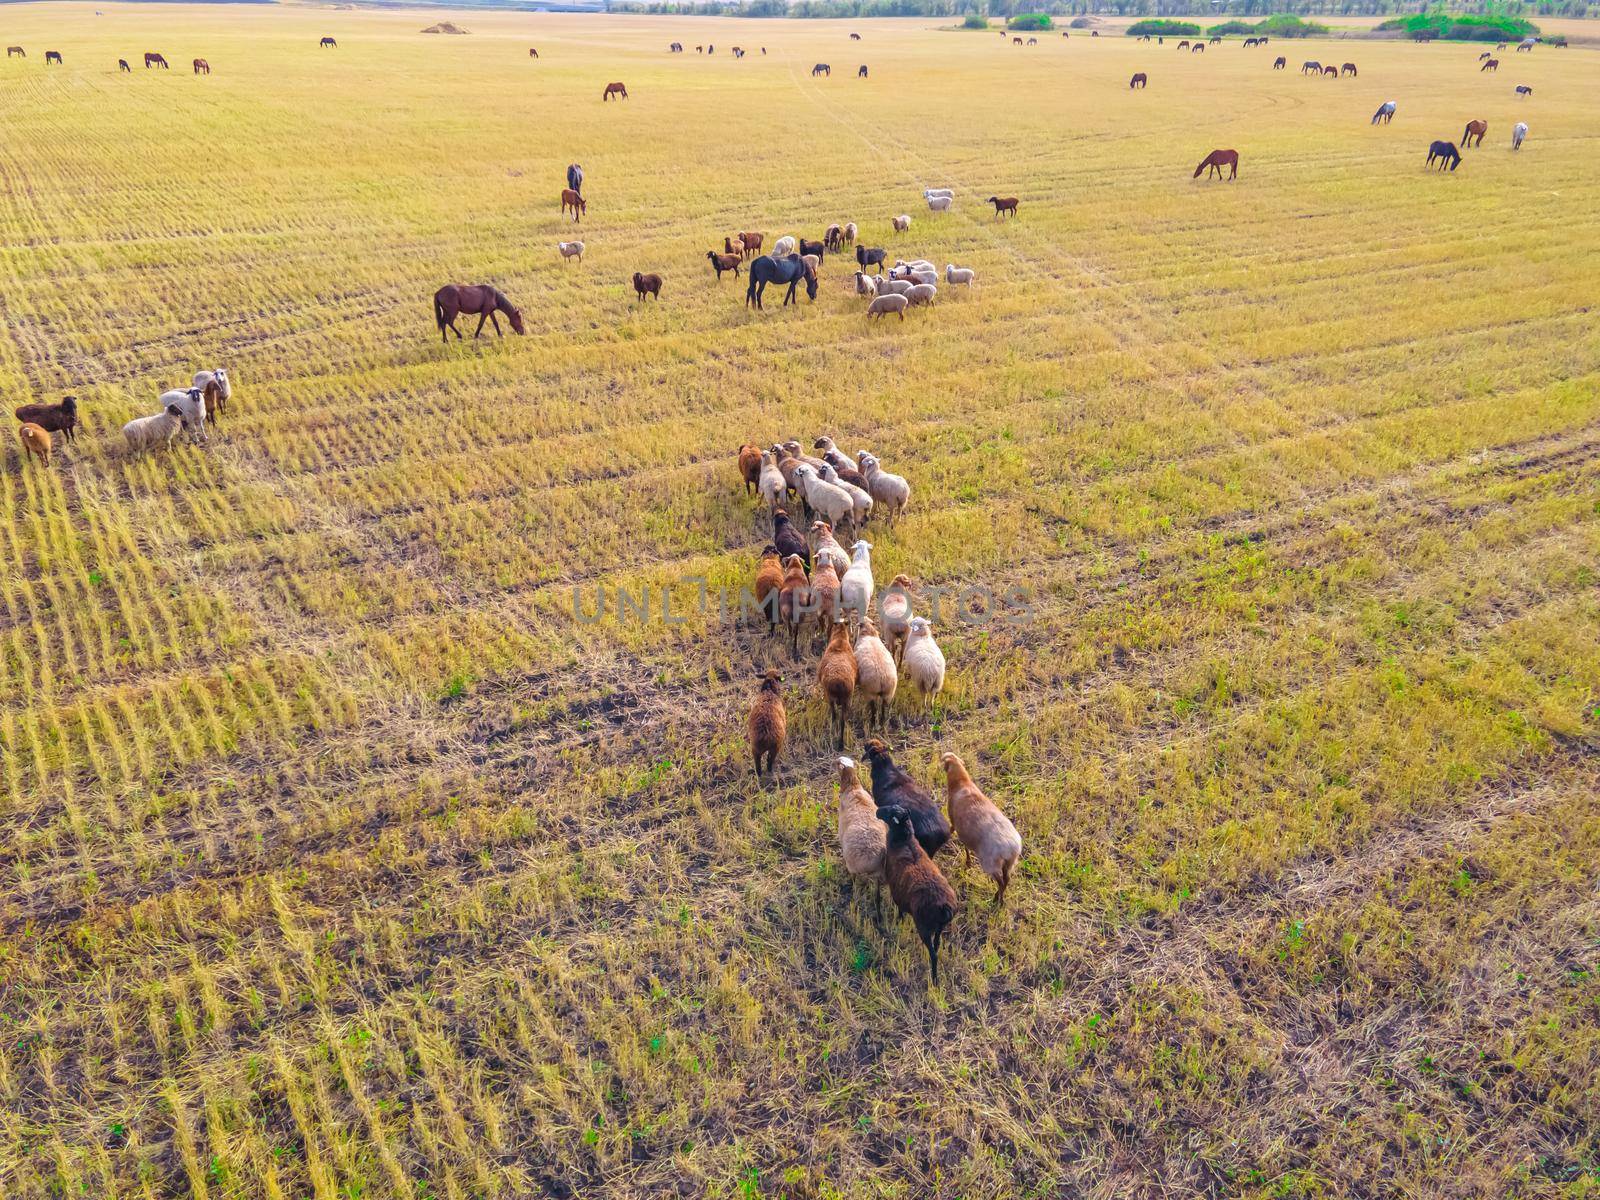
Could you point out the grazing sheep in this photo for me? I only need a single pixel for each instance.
(571, 250)
(860, 499)
(940, 203)
(647, 285)
(824, 548)
(866, 285)
(876, 676)
(750, 467)
(771, 485)
(812, 261)
(35, 441)
(891, 785)
(922, 293)
(836, 678)
(769, 582)
(954, 274)
(888, 490)
(862, 837)
(919, 888)
(933, 193)
(724, 262)
(883, 305)
(983, 829)
(191, 403)
(794, 601)
(849, 233)
(215, 388)
(924, 662)
(785, 245)
(856, 588)
(894, 287)
(894, 614)
(768, 727)
(56, 418)
(146, 433)
(835, 505)
(833, 238)
(901, 223)
(825, 588)
(788, 539)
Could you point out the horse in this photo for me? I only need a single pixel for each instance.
(1484, 55)
(861, 71)
(1385, 113)
(1279, 63)
(1518, 132)
(1033, 41)
(1197, 48)
(1183, 45)
(1218, 159)
(122, 65)
(1311, 67)
(575, 178)
(578, 205)
(155, 60)
(327, 43)
(1445, 152)
(855, 37)
(790, 269)
(1492, 64)
(1330, 72)
(1524, 90)
(1348, 69)
(614, 89)
(533, 52)
(202, 67)
(821, 69)
(16, 52)
(1216, 41)
(455, 298)
(1524, 45)
(676, 48)
(1016, 41)
(1003, 206)
(1474, 130)
(1248, 42)
(1139, 80)
(53, 56)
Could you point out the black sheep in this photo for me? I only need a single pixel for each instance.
(788, 539)
(891, 785)
(57, 418)
(874, 257)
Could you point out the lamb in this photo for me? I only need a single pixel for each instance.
(922, 293)
(35, 441)
(887, 490)
(860, 499)
(771, 484)
(769, 582)
(216, 389)
(891, 785)
(894, 613)
(884, 305)
(849, 232)
(824, 548)
(924, 661)
(918, 886)
(954, 274)
(983, 829)
(647, 285)
(940, 203)
(862, 837)
(794, 600)
(784, 245)
(146, 433)
(768, 727)
(855, 589)
(901, 223)
(876, 676)
(866, 285)
(836, 678)
(832, 502)
(571, 250)
(825, 588)
(750, 467)
(724, 262)
(53, 418)
(788, 539)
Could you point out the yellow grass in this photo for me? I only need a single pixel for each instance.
(338, 860)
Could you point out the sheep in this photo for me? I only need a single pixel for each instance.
(809, 249)
(827, 447)
(825, 588)
(733, 245)
(35, 441)
(833, 238)
(866, 285)
(855, 589)
(924, 661)
(813, 262)
(571, 250)
(871, 256)
(646, 285)
(940, 203)
(146, 433)
(876, 676)
(768, 727)
(894, 613)
(954, 274)
(862, 837)
(787, 462)
(911, 273)
(849, 233)
(887, 490)
(794, 600)
(771, 485)
(836, 678)
(769, 582)
(750, 467)
(922, 293)
(829, 499)
(913, 264)
(983, 829)
(825, 548)
(751, 241)
(894, 287)
(891, 785)
(724, 262)
(901, 223)
(883, 305)
(53, 418)
(860, 499)
(191, 402)
(844, 467)
(784, 245)
(919, 888)
(793, 447)
(788, 539)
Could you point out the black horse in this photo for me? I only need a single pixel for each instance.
(575, 178)
(790, 269)
(1445, 152)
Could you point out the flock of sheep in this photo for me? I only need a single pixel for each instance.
(182, 410)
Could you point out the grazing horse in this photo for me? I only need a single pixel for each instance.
(122, 65)
(1016, 41)
(1385, 113)
(16, 52)
(1518, 132)
(578, 205)
(1524, 90)
(1348, 69)
(1473, 135)
(1003, 205)
(855, 37)
(575, 178)
(1197, 48)
(1139, 80)
(1330, 72)
(821, 69)
(155, 60)
(455, 298)
(1445, 152)
(1216, 41)
(676, 47)
(1524, 45)
(1279, 63)
(202, 67)
(327, 43)
(614, 89)
(1484, 55)
(533, 52)
(1033, 41)
(861, 71)
(790, 269)
(1311, 67)
(1218, 159)
(1248, 42)
(1492, 64)
(1183, 45)
(52, 56)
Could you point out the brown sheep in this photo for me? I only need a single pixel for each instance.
(794, 600)
(647, 285)
(983, 829)
(752, 242)
(53, 418)
(750, 467)
(876, 676)
(918, 886)
(824, 593)
(769, 724)
(894, 610)
(724, 262)
(36, 441)
(769, 582)
(836, 678)
(733, 245)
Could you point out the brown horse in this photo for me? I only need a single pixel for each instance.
(1330, 72)
(1218, 159)
(1492, 64)
(122, 65)
(532, 53)
(1474, 133)
(202, 67)
(16, 52)
(1349, 69)
(154, 60)
(1139, 80)
(1183, 45)
(456, 298)
(1004, 205)
(52, 56)
(1197, 48)
(571, 199)
(614, 89)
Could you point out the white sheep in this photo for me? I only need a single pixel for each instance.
(571, 250)
(813, 261)
(954, 274)
(772, 485)
(855, 587)
(887, 489)
(940, 203)
(883, 305)
(922, 293)
(861, 835)
(894, 287)
(146, 433)
(930, 193)
(901, 223)
(924, 661)
(191, 402)
(914, 264)
(826, 447)
(850, 232)
(866, 285)
(860, 498)
(828, 500)
(784, 245)
(825, 548)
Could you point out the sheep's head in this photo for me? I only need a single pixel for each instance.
(921, 627)
(823, 443)
(868, 629)
(895, 817)
(875, 749)
(69, 404)
(861, 548)
(769, 551)
(772, 681)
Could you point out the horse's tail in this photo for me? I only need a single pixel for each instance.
(438, 313)
(1467, 132)
(750, 292)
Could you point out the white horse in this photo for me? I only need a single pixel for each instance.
(1385, 112)
(1518, 132)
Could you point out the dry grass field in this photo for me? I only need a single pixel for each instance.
(338, 860)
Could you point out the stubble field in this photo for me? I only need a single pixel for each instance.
(338, 860)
